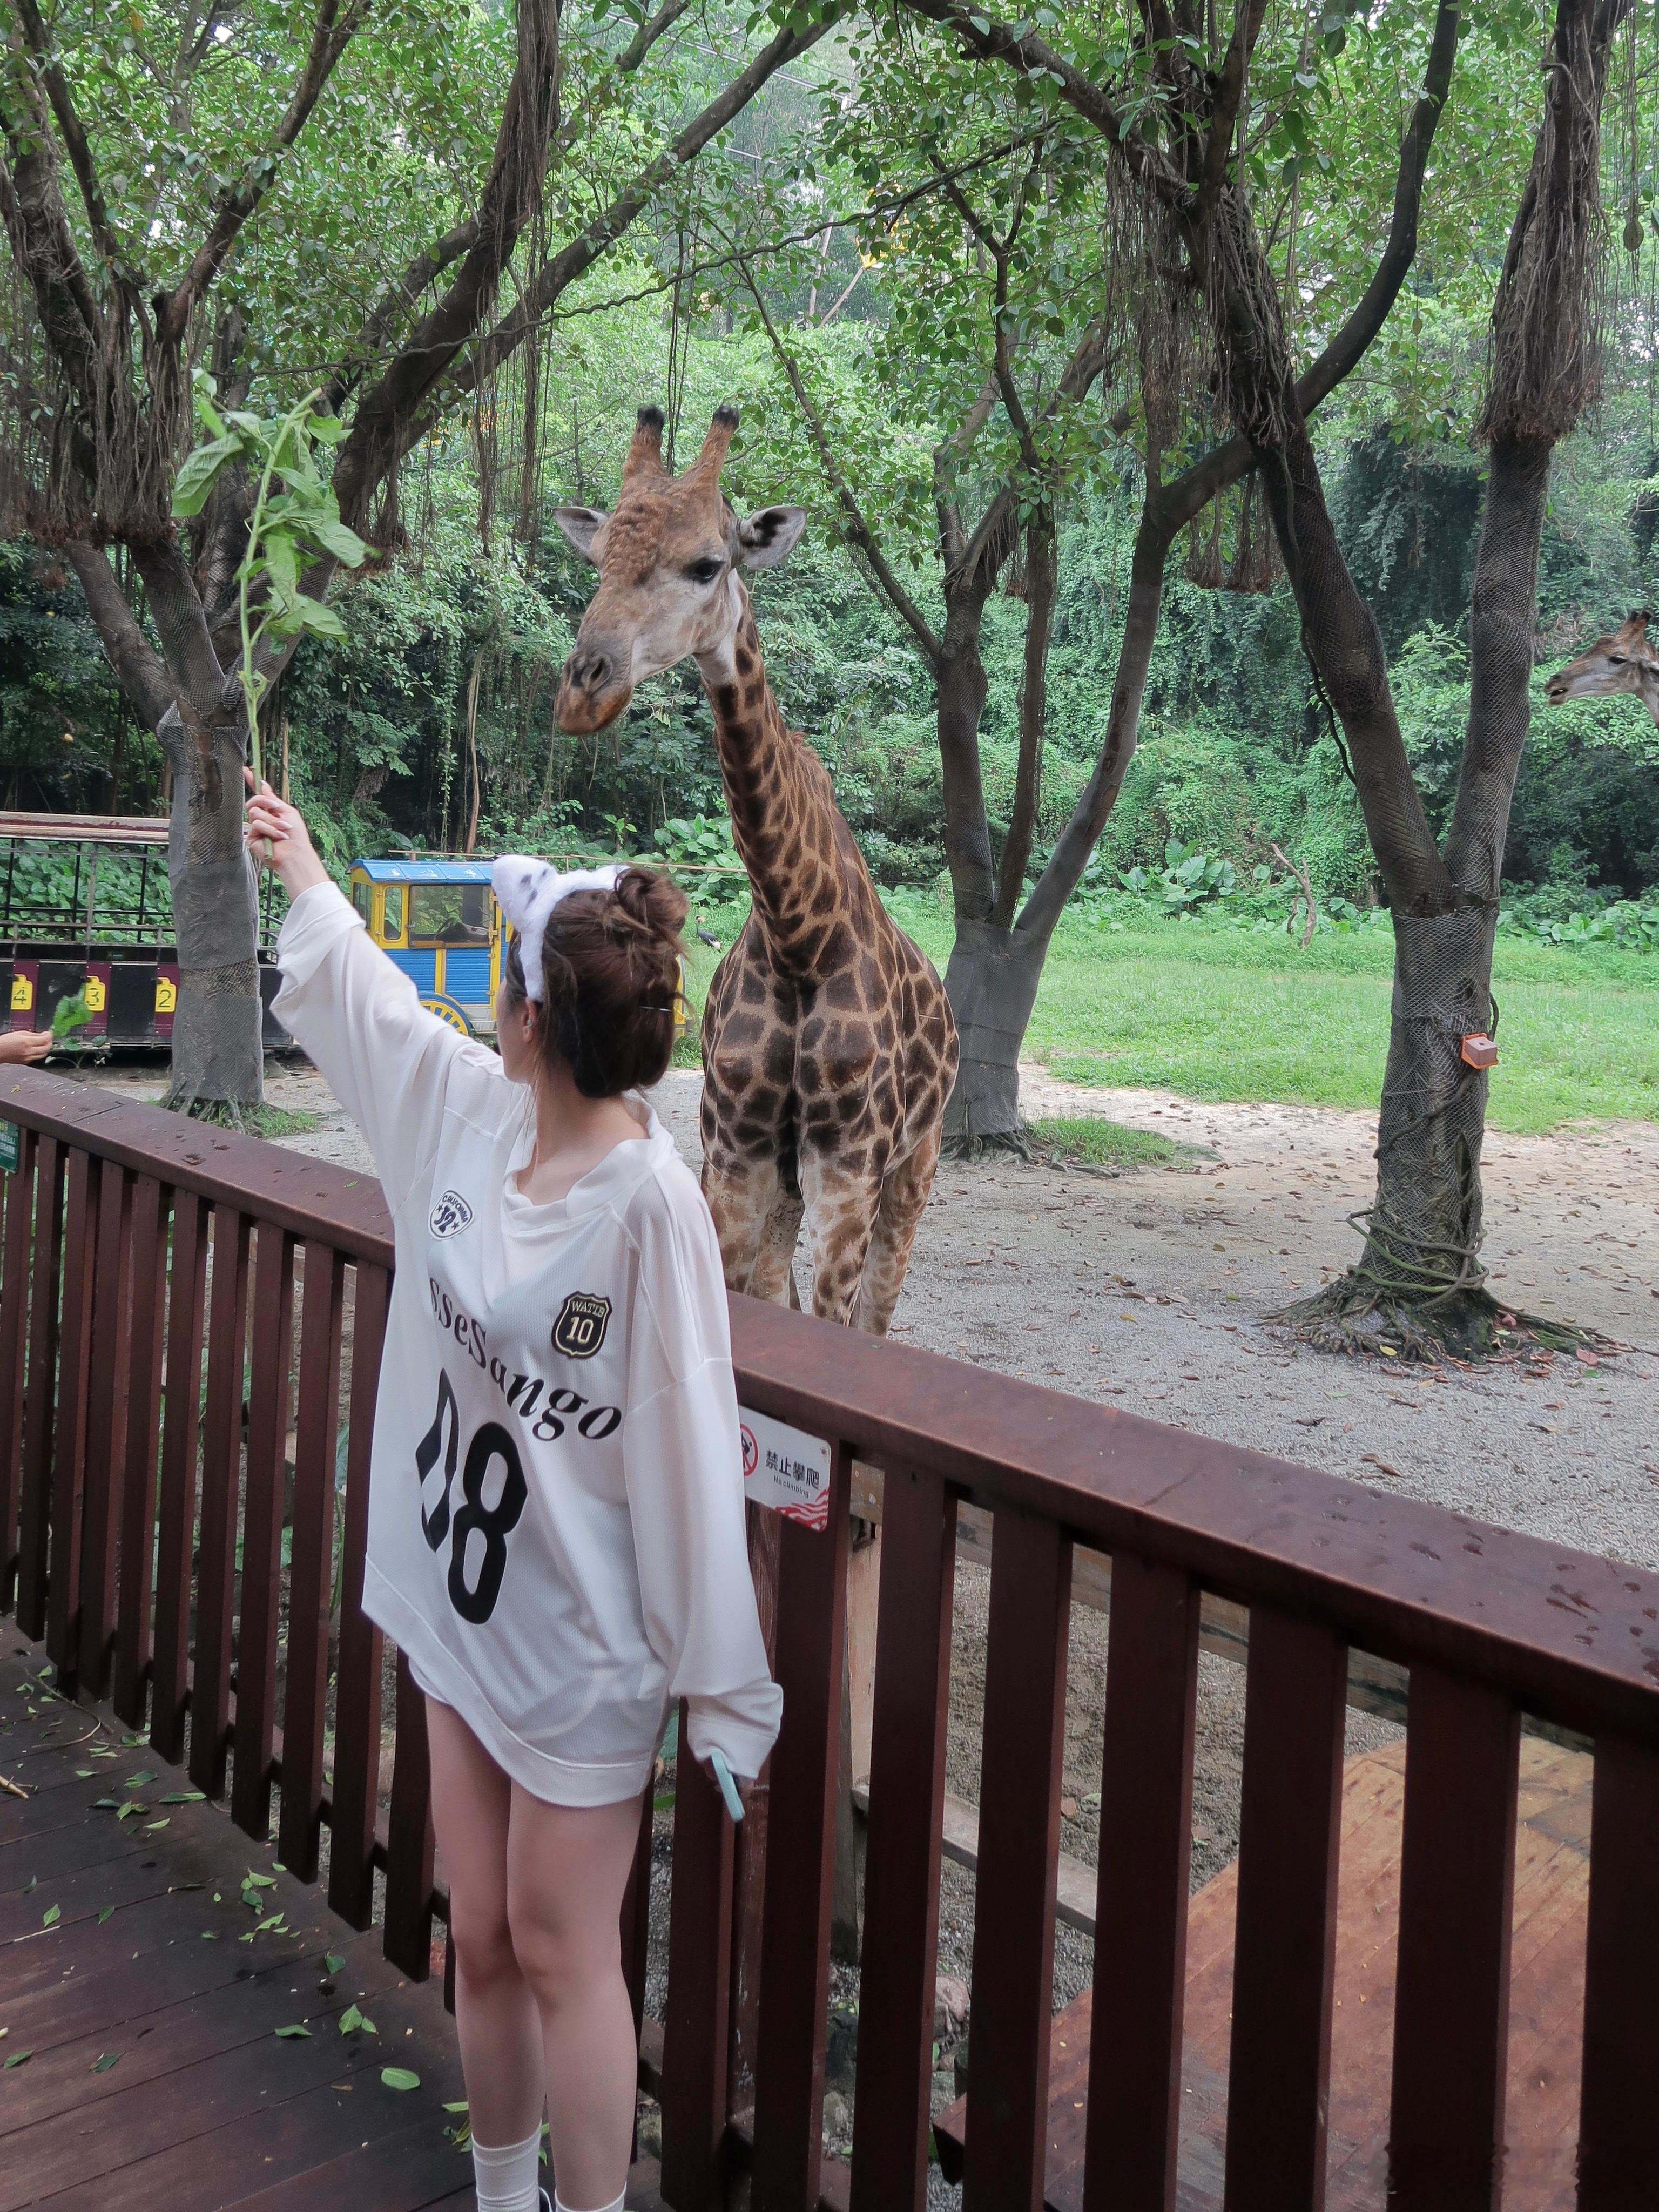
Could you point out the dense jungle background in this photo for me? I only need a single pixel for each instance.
(431, 724)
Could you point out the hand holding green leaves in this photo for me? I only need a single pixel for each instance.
(295, 519)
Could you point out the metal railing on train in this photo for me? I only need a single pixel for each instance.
(190, 1332)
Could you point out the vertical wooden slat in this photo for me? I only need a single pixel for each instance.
(1619, 2117)
(222, 1465)
(696, 2025)
(907, 1797)
(139, 1448)
(410, 1846)
(69, 1447)
(636, 1915)
(801, 1854)
(270, 1354)
(357, 1669)
(40, 1392)
(1140, 1923)
(311, 1582)
(14, 1336)
(1019, 1859)
(175, 1548)
(108, 1340)
(1452, 1990)
(1284, 1953)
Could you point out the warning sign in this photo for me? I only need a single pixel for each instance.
(786, 1469)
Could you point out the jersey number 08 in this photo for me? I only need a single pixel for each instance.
(494, 1524)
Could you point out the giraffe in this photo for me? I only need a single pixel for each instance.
(1626, 661)
(828, 1046)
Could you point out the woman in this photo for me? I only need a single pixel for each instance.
(556, 1534)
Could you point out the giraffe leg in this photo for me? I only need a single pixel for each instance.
(743, 1200)
(842, 1205)
(903, 1195)
(773, 1275)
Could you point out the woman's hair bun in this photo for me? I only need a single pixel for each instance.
(655, 902)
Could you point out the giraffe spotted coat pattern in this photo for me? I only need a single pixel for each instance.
(828, 1043)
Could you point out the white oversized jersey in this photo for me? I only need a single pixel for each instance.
(556, 1521)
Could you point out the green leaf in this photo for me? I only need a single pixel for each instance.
(105, 1912)
(184, 1797)
(70, 1014)
(161, 1823)
(293, 2029)
(310, 614)
(282, 565)
(258, 1880)
(332, 1961)
(138, 1781)
(339, 539)
(17, 2058)
(104, 2060)
(54, 1913)
(351, 2020)
(201, 471)
(399, 2077)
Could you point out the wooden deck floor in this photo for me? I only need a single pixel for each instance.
(140, 2065)
(1545, 2004)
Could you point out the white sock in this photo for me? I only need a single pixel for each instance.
(559, 2204)
(508, 2179)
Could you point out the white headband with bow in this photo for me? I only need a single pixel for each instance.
(528, 891)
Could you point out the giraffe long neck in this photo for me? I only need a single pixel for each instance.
(784, 816)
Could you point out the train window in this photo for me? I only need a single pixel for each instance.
(449, 913)
(362, 896)
(393, 926)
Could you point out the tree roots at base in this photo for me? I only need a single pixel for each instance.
(1354, 1316)
(969, 1144)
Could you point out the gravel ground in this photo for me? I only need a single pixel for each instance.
(1155, 1290)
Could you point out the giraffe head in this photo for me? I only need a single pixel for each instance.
(1626, 661)
(667, 554)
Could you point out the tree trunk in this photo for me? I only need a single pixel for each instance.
(991, 984)
(1416, 1287)
(218, 1058)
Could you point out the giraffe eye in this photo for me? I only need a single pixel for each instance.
(704, 571)
(1617, 659)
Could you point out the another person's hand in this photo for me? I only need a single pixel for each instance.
(26, 1044)
(279, 839)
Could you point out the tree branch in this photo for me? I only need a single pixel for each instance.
(1229, 90)
(859, 531)
(332, 33)
(69, 124)
(137, 665)
(37, 223)
(580, 255)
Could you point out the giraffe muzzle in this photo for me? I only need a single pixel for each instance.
(591, 692)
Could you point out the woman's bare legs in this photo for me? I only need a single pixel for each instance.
(541, 2005)
(496, 2014)
(567, 1868)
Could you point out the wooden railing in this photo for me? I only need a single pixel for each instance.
(156, 1389)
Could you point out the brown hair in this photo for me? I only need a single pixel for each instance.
(611, 973)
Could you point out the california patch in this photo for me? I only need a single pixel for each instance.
(450, 1215)
(579, 1329)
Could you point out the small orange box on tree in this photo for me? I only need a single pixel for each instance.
(1479, 1051)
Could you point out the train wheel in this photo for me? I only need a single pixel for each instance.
(447, 1011)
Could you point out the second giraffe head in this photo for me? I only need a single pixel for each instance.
(667, 555)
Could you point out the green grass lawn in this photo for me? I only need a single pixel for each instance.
(1210, 1012)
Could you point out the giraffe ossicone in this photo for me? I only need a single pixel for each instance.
(828, 1047)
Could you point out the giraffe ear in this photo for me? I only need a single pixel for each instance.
(581, 525)
(768, 537)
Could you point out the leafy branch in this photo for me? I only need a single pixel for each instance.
(295, 519)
